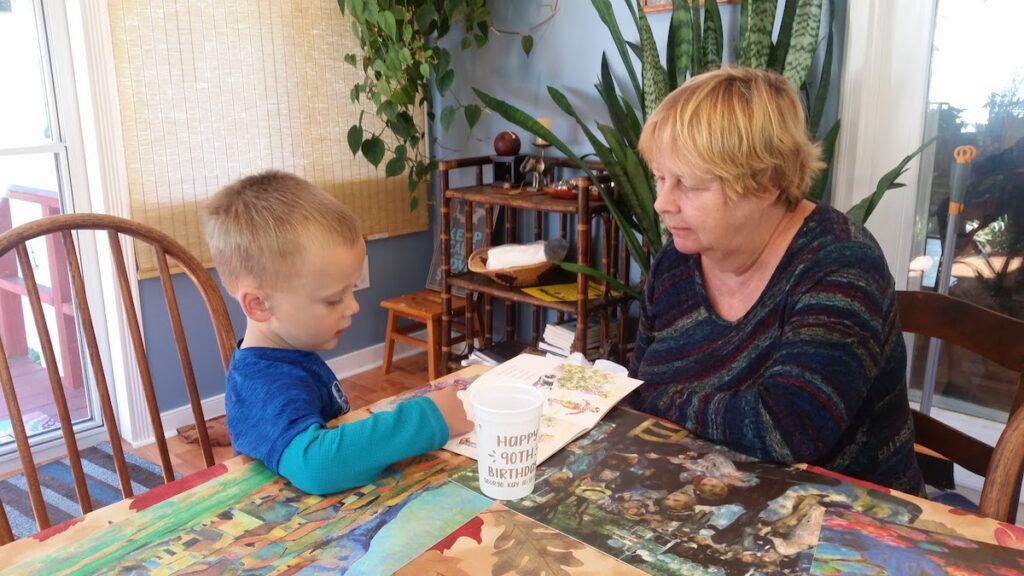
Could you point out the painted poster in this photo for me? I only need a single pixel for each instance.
(510, 543)
(458, 243)
(651, 495)
(251, 521)
(852, 543)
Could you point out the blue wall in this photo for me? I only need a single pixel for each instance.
(398, 265)
(566, 55)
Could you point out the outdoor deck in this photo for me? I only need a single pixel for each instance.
(34, 395)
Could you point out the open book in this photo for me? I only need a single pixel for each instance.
(576, 398)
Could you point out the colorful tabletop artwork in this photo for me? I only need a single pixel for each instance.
(248, 520)
(852, 543)
(636, 495)
(664, 502)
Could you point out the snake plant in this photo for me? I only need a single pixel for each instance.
(694, 45)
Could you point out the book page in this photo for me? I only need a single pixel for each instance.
(576, 398)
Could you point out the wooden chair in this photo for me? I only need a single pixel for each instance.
(61, 233)
(998, 338)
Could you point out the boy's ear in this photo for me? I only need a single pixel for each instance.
(254, 304)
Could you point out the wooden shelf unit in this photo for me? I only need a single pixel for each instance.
(586, 215)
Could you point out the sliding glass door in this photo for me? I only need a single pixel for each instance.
(37, 156)
(975, 98)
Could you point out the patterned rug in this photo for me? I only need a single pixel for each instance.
(59, 487)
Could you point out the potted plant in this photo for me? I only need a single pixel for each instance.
(694, 45)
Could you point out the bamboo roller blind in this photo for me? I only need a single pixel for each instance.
(213, 91)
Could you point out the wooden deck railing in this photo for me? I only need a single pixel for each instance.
(57, 295)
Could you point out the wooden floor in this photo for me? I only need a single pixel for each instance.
(362, 389)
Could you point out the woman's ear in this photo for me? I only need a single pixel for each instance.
(254, 304)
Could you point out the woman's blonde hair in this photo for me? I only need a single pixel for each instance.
(742, 125)
(263, 226)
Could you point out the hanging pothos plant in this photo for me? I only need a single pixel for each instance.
(399, 55)
(694, 45)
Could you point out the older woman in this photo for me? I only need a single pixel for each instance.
(768, 324)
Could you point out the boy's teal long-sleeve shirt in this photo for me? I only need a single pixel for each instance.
(278, 402)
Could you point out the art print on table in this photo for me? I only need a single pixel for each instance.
(511, 543)
(251, 521)
(852, 543)
(650, 494)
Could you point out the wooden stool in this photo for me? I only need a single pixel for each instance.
(423, 307)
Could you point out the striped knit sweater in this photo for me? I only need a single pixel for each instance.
(814, 372)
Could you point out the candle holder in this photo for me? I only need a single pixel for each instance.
(538, 172)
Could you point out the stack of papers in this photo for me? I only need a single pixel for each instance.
(558, 339)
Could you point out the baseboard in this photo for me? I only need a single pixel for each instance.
(371, 357)
(342, 366)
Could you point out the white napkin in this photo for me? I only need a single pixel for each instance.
(509, 255)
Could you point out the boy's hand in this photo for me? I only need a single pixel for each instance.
(452, 411)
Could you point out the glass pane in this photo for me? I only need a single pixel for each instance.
(30, 191)
(24, 100)
(982, 105)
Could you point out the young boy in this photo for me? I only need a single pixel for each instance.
(291, 255)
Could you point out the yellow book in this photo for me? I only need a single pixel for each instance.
(564, 292)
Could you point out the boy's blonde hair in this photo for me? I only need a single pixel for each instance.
(262, 226)
(743, 125)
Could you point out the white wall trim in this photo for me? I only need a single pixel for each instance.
(343, 366)
(371, 357)
(882, 109)
(108, 185)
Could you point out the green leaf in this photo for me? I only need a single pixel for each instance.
(425, 16)
(386, 21)
(472, 112)
(624, 219)
(445, 82)
(373, 150)
(400, 152)
(414, 201)
(466, 42)
(615, 283)
(696, 66)
(777, 56)
(355, 138)
(756, 38)
(803, 41)
(447, 117)
(425, 70)
(713, 42)
(403, 126)
(607, 15)
(527, 43)
(821, 97)
(655, 83)
(394, 167)
(616, 110)
(861, 211)
(350, 59)
(679, 49)
(828, 148)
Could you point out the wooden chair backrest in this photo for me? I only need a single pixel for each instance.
(64, 230)
(998, 338)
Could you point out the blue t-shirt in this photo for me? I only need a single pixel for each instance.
(273, 395)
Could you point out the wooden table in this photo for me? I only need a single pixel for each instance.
(636, 495)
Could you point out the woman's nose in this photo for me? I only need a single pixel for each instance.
(663, 202)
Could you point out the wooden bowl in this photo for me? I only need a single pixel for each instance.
(515, 276)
